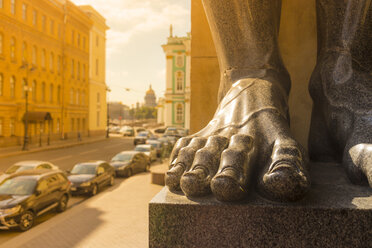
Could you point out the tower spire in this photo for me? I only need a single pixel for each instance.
(171, 31)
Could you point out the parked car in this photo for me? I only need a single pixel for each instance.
(89, 177)
(148, 150)
(142, 137)
(127, 131)
(175, 131)
(157, 145)
(114, 129)
(29, 165)
(141, 129)
(27, 194)
(128, 163)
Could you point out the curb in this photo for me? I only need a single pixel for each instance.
(11, 154)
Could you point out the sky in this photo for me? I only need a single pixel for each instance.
(134, 57)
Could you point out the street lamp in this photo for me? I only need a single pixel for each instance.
(26, 90)
(108, 113)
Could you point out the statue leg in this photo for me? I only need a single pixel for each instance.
(248, 141)
(341, 87)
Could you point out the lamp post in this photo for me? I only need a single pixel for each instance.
(108, 90)
(26, 90)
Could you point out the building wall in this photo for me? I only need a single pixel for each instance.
(54, 86)
(297, 41)
(97, 73)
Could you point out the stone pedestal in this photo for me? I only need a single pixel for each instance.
(335, 213)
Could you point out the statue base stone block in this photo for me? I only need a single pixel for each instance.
(334, 213)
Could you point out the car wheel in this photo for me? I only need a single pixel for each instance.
(62, 205)
(94, 190)
(26, 221)
(129, 173)
(112, 180)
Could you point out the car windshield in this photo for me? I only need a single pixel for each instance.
(142, 149)
(142, 134)
(122, 157)
(84, 169)
(18, 168)
(18, 186)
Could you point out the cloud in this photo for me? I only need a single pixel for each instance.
(138, 28)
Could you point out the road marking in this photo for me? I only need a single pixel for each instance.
(119, 144)
(94, 150)
(61, 158)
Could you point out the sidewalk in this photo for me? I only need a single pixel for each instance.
(116, 217)
(57, 144)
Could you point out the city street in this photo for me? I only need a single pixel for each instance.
(66, 158)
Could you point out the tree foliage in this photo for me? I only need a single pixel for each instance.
(143, 113)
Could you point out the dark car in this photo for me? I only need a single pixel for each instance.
(142, 137)
(128, 163)
(29, 165)
(89, 177)
(27, 194)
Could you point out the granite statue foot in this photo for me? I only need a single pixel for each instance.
(247, 143)
(341, 87)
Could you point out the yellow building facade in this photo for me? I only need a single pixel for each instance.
(97, 72)
(44, 53)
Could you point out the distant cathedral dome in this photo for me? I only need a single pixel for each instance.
(150, 98)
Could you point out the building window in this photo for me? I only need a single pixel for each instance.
(43, 92)
(78, 70)
(24, 88)
(179, 113)
(1, 43)
(179, 61)
(97, 40)
(59, 30)
(84, 40)
(34, 18)
(12, 126)
(98, 115)
(51, 91)
(59, 94)
(24, 12)
(24, 52)
(34, 55)
(98, 98)
(57, 125)
(72, 68)
(43, 22)
(12, 7)
(83, 124)
(34, 90)
(1, 4)
(43, 58)
(59, 62)
(179, 80)
(97, 67)
(51, 62)
(1, 127)
(1, 84)
(12, 86)
(83, 98)
(71, 96)
(72, 124)
(77, 97)
(52, 27)
(12, 48)
(78, 40)
(73, 37)
(84, 72)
